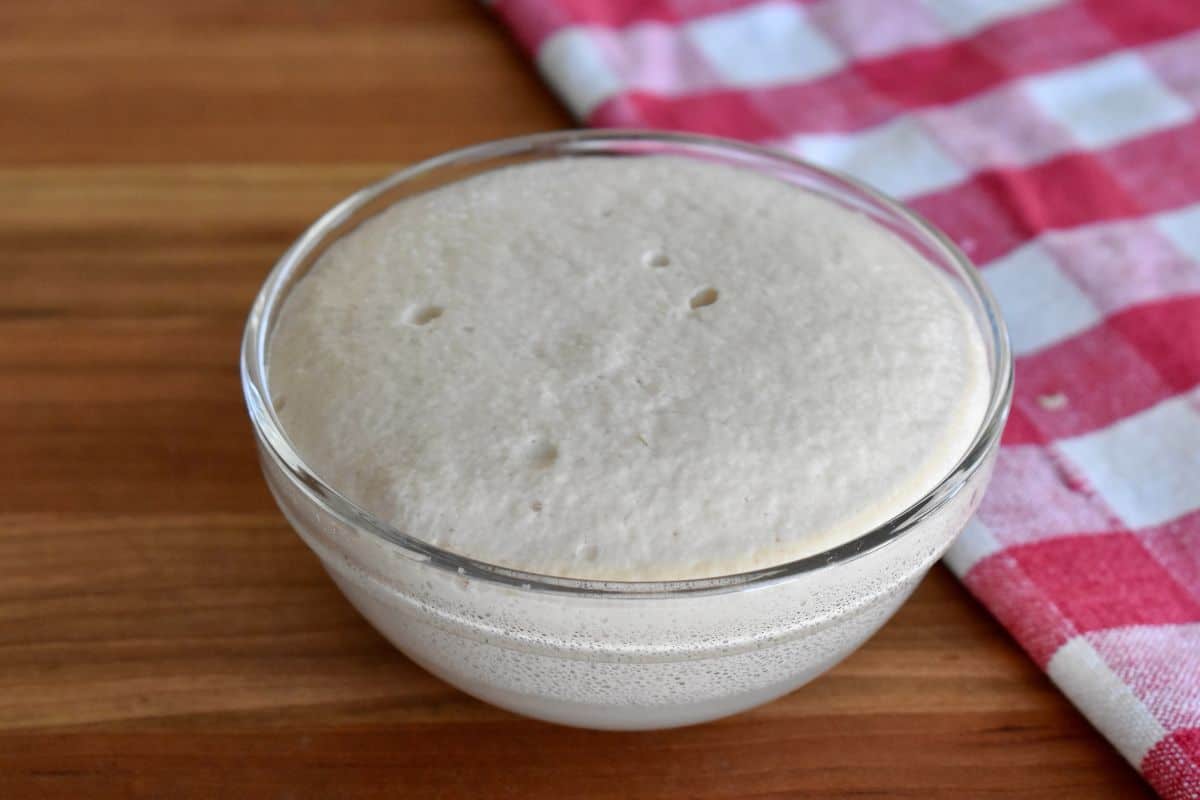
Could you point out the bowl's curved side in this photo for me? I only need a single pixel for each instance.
(619, 662)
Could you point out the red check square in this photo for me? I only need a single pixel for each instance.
(1020, 605)
(1172, 767)
(1106, 580)
(1087, 382)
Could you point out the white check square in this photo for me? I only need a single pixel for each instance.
(1041, 305)
(897, 157)
(1104, 698)
(764, 44)
(1145, 467)
(1182, 227)
(964, 17)
(574, 64)
(871, 29)
(1108, 100)
(974, 545)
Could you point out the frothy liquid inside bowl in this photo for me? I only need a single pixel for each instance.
(629, 369)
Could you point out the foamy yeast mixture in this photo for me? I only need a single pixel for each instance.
(636, 369)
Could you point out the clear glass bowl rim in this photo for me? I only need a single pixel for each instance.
(276, 445)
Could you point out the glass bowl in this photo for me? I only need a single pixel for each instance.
(608, 654)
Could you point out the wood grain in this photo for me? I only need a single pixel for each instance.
(162, 632)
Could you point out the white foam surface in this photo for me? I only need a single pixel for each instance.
(628, 369)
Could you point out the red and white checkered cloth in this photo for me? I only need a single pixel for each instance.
(1058, 142)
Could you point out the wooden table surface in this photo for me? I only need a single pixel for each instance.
(162, 631)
